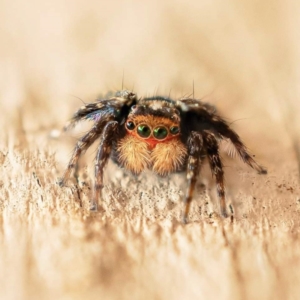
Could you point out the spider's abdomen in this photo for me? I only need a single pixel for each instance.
(163, 158)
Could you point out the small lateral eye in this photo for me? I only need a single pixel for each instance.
(143, 131)
(130, 125)
(160, 133)
(174, 129)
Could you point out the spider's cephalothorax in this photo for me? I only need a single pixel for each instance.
(159, 134)
(151, 138)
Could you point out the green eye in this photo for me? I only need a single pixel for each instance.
(174, 129)
(130, 125)
(160, 133)
(144, 131)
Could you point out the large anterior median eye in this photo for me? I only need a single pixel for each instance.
(144, 131)
(160, 132)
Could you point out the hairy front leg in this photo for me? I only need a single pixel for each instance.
(102, 157)
(82, 145)
(212, 150)
(195, 144)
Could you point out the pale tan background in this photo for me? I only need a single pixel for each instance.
(243, 57)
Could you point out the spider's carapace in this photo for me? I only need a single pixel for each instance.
(152, 139)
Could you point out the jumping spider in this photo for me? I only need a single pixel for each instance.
(159, 134)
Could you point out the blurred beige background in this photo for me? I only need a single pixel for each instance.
(242, 56)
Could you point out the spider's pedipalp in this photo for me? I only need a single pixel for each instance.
(103, 153)
(195, 144)
(212, 150)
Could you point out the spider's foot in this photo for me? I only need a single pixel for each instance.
(94, 207)
(185, 219)
(61, 182)
(262, 171)
(224, 213)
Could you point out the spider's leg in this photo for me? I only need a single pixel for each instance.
(101, 108)
(92, 111)
(102, 156)
(83, 144)
(223, 128)
(195, 144)
(202, 116)
(212, 150)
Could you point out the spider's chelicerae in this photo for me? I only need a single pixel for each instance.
(159, 134)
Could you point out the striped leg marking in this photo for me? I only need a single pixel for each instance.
(102, 157)
(82, 145)
(195, 144)
(212, 149)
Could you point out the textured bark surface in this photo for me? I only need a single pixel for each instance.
(243, 57)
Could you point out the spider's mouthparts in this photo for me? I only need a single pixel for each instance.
(151, 141)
